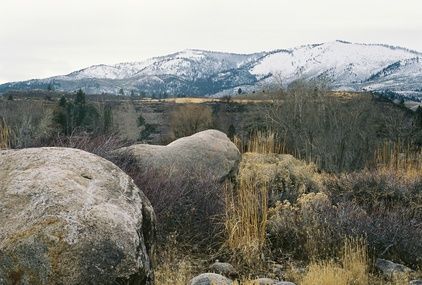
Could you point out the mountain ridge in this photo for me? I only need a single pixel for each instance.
(194, 72)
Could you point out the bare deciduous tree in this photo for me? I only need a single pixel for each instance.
(189, 119)
(337, 133)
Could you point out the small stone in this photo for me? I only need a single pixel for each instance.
(278, 270)
(264, 281)
(225, 269)
(269, 281)
(210, 279)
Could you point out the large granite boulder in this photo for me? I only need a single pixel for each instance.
(209, 152)
(71, 217)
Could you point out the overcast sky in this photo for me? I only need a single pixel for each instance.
(42, 38)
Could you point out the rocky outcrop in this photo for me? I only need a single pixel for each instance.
(209, 152)
(210, 279)
(70, 217)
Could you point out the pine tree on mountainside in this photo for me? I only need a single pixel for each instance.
(78, 115)
(107, 119)
(80, 108)
(231, 132)
(418, 119)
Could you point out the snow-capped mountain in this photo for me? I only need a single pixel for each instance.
(346, 66)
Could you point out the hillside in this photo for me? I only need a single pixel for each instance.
(345, 66)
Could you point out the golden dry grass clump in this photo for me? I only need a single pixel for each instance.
(174, 272)
(174, 266)
(246, 218)
(399, 157)
(262, 180)
(352, 270)
(260, 142)
(5, 134)
(286, 177)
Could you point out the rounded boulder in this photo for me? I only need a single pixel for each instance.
(209, 151)
(71, 217)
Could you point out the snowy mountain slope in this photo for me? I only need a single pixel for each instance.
(402, 77)
(345, 65)
(348, 62)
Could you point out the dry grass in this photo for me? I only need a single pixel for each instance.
(353, 269)
(325, 273)
(5, 134)
(175, 272)
(400, 157)
(174, 265)
(193, 100)
(260, 142)
(355, 260)
(246, 218)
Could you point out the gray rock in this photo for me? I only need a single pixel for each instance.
(416, 282)
(225, 269)
(210, 151)
(269, 281)
(210, 279)
(71, 217)
(264, 281)
(278, 270)
(390, 269)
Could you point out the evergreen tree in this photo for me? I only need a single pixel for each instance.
(80, 108)
(107, 119)
(141, 121)
(62, 102)
(231, 132)
(62, 116)
(418, 119)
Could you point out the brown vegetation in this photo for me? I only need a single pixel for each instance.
(186, 120)
(5, 134)
(336, 133)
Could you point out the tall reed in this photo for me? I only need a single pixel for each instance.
(260, 142)
(352, 270)
(5, 135)
(246, 218)
(399, 156)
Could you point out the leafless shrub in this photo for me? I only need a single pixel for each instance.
(29, 121)
(186, 120)
(101, 145)
(190, 205)
(383, 207)
(390, 201)
(337, 132)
